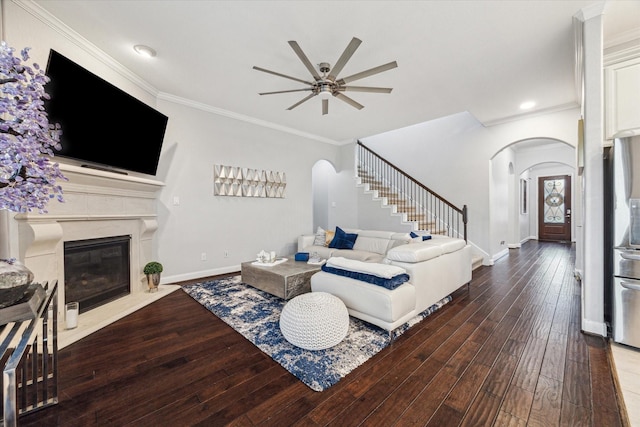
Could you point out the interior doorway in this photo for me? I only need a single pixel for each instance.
(554, 208)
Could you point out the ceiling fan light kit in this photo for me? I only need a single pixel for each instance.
(328, 84)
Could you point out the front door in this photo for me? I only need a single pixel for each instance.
(554, 208)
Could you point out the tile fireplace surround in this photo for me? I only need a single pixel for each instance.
(97, 204)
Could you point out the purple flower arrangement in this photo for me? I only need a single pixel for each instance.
(27, 139)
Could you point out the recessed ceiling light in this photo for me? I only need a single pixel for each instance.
(527, 105)
(145, 51)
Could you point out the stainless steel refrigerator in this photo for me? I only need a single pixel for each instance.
(625, 321)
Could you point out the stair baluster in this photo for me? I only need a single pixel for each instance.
(417, 202)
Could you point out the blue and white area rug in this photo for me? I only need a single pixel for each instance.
(256, 316)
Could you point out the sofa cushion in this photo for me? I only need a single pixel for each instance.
(379, 241)
(425, 250)
(415, 252)
(371, 244)
(357, 255)
(449, 244)
(343, 240)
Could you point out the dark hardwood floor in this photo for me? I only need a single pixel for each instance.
(507, 351)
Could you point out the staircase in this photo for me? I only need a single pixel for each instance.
(417, 203)
(406, 196)
(396, 202)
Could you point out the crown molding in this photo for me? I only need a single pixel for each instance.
(82, 43)
(247, 119)
(624, 54)
(622, 38)
(539, 112)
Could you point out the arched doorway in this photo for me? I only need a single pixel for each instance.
(322, 175)
(514, 189)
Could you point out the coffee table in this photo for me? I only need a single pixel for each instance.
(285, 280)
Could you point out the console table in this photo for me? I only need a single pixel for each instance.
(29, 351)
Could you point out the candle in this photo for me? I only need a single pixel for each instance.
(71, 313)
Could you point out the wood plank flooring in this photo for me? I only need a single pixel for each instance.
(507, 351)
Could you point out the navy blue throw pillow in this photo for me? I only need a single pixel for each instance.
(390, 284)
(343, 240)
(424, 237)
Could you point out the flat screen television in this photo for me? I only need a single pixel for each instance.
(102, 126)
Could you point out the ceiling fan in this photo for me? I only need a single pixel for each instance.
(328, 83)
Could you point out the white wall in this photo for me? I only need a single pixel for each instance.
(592, 240)
(197, 139)
(525, 218)
(501, 199)
(203, 223)
(343, 193)
(320, 192)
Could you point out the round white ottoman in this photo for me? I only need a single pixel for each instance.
(314, 321)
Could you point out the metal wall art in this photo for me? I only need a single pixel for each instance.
(245, 182)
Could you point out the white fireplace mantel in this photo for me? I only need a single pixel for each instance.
(97, 204)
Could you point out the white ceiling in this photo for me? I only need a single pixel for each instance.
(484, 57)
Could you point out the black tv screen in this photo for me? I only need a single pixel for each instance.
(101, 124)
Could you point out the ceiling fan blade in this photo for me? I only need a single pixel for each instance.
(365, 89)
(286, 91)
(325, 106)
(367, 73)
(296, 48)
(346, 55)
(282, 75)
(301, 101)
(349, 101)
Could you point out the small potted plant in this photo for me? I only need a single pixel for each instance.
(153, 270)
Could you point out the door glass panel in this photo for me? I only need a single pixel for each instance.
(554, 207)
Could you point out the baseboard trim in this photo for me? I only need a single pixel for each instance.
(499, 255)
(199, 274)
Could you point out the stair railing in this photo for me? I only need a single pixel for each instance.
(428, 209)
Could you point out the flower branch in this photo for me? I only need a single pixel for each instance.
(27, 139)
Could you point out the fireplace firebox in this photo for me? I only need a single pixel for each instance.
(96, 271)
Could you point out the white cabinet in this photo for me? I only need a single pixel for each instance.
(622, 97)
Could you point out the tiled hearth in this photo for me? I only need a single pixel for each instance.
(97, 204)
(106, 314)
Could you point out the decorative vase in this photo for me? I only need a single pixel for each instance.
(153, 280)
(15, 278)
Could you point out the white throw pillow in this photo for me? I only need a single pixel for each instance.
(320, 237)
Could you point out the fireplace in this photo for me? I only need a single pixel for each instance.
(96, 271)
(98, 205)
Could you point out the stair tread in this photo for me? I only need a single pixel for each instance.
(400, 204)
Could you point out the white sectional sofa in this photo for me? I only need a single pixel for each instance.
(436, 268)
(370, 246)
